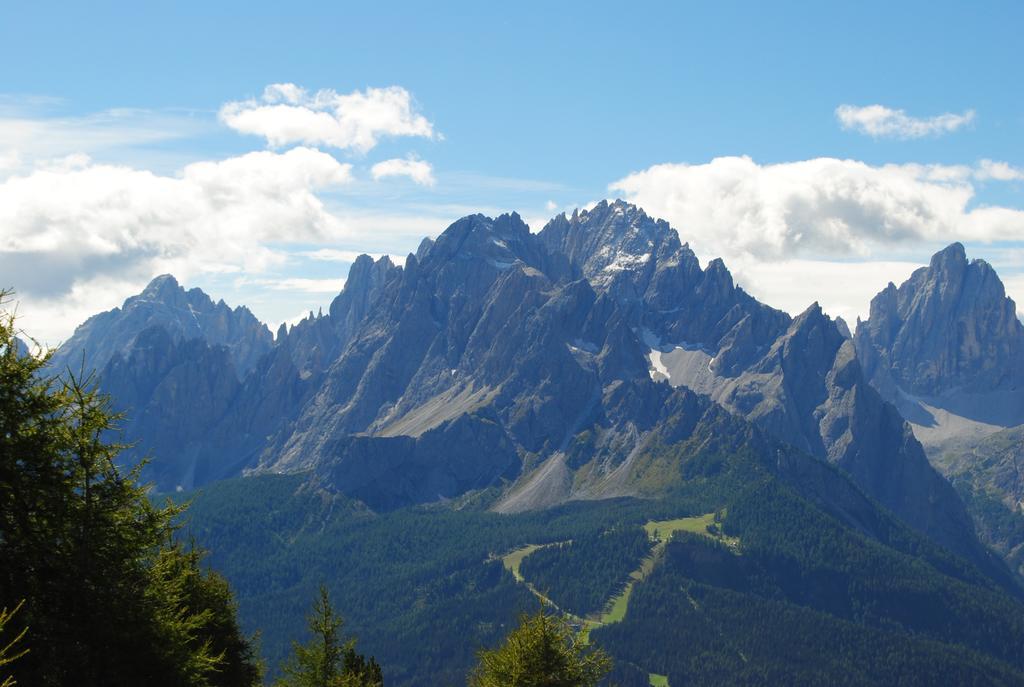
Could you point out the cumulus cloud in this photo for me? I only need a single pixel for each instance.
(286, 114)
(81, 234)
(879, 121)
(419, 171)
(998, 171)
(824, 208)
(843, 289)
(221, 207)
(77, 232)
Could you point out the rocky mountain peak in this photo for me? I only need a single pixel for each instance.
(184, 314)
(479, 236)
(812, 313)
(163, 287)
(949, 327)
(359, 275)
(617, 247)
(718, 275)
(813, 324)
(844, 328)
(364, 277)
(951, 258)
(809, 346)
(479, 248)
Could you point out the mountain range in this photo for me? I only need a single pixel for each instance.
(596, 360)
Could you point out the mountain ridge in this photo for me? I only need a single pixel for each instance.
(185, 314)
(493, 336)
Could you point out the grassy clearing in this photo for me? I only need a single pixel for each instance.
(658, 680)
(616, 609)
(661, 531)
(513, 560)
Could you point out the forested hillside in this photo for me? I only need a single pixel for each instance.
(424, 588)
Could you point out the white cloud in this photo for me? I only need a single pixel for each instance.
(1014, 284)
(26, 140)
(998, 171)
(822, 208)
(842, 289)
(345, 256)
(330, 255)
(287, 114)
(97, 209)
(305, 285)
(879, 121)
(10, 160)
(418, 170)
(77, 233)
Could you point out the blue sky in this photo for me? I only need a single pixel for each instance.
(536, 108)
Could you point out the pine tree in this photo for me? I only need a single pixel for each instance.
(326, 660)
(109, 598)
(11, 649)
(543, 651)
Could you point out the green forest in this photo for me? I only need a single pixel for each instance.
(584, 573)
(424, 588)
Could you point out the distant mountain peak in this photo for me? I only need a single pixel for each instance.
(162, 281)
(718, 271)
(948, 327)
(811, 312)
(613, 240)
(161, 288)
(953, 254)
(184, 314)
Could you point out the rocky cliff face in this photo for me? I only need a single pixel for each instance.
(317, 341)
(175, 395)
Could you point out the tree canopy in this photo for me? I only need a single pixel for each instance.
(543, 651)
(327, 660)
(108, 597)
